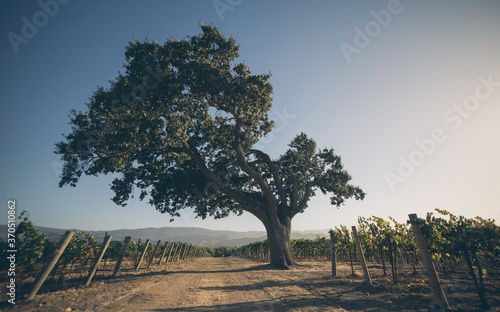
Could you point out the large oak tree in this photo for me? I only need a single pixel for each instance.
(178, 128)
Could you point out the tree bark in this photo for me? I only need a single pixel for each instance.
(278, 238)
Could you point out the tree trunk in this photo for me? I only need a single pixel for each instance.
(278, 238)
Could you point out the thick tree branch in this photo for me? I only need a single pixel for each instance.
(268, 195)
(276, 176)
(256, 162)
(309, 188)
(302, 205)
(238, 197)
(294, 196)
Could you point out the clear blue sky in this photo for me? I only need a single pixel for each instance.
(375, 80)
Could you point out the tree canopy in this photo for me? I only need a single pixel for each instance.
(178, 128)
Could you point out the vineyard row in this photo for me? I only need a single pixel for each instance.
(79, 254)
(473, 242)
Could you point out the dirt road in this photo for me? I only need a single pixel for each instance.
(235, 284)
(218, 284)
(204, 284)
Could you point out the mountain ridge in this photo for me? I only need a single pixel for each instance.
(195, 235)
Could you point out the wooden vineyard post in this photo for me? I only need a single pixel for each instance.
(142, 255)
(362, 256)
(334, 253)
(92, 272)
(154, 253)
(427, 260)
(186, 252)
(119, 263)
(172, 253)
(178, 256)
(178, 248)
(163, 253)
(137, 252)
(182, 252)
(50, 265)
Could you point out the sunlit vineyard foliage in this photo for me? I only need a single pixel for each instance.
(470, 244)
(383, 240)
(453, 241)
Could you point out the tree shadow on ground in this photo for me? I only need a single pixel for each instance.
(262, 305)
(253, 268)
(329, 294)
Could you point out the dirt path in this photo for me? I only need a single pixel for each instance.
(219, 284)
(235, 284)
(207, 284)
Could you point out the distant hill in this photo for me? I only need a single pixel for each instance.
(198, 236)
